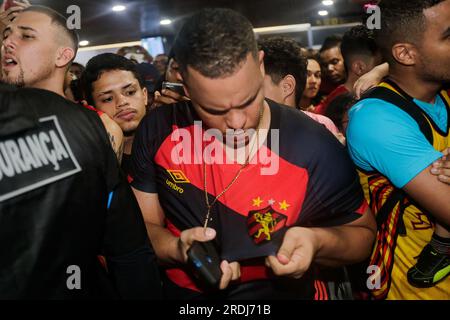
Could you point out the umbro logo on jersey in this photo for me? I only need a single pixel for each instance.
(36, 158)
(177, 176)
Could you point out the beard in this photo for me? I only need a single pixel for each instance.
(19, 81)
(129, 133)
(128, 129)
(41, 74)
(436, 73)
(438, 77)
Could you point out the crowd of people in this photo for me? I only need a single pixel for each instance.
(300, 169)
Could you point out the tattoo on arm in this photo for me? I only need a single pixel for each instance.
(119, 152)
(118, 149)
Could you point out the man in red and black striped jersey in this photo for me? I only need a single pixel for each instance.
(281, 191)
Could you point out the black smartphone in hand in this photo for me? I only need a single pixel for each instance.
(174, 86)
(205, 262)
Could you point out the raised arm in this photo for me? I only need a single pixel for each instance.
(370, 79)
(6, 16)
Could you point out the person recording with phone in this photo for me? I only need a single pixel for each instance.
(171, 90)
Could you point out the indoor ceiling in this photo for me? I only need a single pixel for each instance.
(100, 25)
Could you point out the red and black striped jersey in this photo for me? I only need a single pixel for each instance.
(315, 183)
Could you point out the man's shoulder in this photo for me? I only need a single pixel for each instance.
(40, 113)
(282, 112)
(338, 91)
(172, 114)
(295, 122)
(341, 89)
(40, 103)
(373, 120)
(302, 139)
(377, 112)
(291, 120)
(161, 122)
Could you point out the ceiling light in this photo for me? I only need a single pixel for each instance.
(328, 2)
(165, 22)
(118, 8)
(323, 13)
(83, 43)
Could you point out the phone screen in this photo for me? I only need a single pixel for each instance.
(176, 87)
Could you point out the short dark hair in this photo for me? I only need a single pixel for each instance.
(312, 55)
(77, 64)
(283, 56)
(214, 42)
(331, 42)
(60, 21)
(162, 55)
(358, 41)
(102, 63)
(402, 21)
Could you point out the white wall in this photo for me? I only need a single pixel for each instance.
(85, 54)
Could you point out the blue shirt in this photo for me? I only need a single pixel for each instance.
(384, 138)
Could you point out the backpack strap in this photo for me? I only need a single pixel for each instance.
(404, 103)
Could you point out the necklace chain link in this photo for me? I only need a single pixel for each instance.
(247, 160)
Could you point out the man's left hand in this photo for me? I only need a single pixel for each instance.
(441, 167)
(231, 272)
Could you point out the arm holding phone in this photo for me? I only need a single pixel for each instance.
(172, 250)
(172, 92)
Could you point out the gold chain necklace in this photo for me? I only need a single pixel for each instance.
(208, 205)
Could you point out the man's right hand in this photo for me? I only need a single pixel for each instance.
(188, 236)
(231, 270)
(172, 250)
